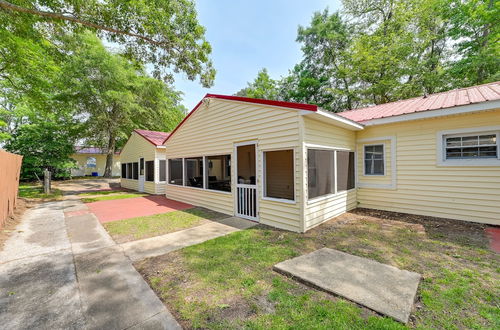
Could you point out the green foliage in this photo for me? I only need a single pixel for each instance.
(263, 87)
(165, 33)
(43, 144)
(379, 51)
(112, 197)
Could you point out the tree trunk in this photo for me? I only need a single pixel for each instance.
(108, 170)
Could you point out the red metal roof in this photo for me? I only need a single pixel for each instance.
(449, 99)
(155, 137)
(292, 105)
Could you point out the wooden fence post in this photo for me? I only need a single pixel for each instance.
(46, 181)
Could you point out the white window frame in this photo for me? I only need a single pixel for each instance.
(393, 173)
(383, 158)
(168, 172)
(336, 193)
(484, 130)
(264, 192)
(205, 185)
(159, 172)
(205, 174)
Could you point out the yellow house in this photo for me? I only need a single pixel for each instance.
(93, 160)
(143, 165)
(294, 166)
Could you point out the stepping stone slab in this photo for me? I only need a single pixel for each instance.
(382, 288)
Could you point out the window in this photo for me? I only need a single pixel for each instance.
(124, 171)
(194, 172)
(150, 170)
(163, 170)
(345, 170)
(321, 175)
(135, 171)
(219, 172)
(129, 170)
(141, 166)
(175, 171)
(91, 162)
(374, 159)
(471, 146)
(278, 167)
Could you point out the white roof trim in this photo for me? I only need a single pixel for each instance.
(332, 118)
(482, 106)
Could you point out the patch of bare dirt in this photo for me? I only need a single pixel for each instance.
(13, 220)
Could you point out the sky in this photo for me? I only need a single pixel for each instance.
(248, 35)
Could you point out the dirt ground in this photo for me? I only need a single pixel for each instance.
(86, 185)
(13, 220)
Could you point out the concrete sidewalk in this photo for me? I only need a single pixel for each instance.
(58, 273)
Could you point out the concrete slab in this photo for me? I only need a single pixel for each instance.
(382, 288)
(40, 293)
(86, 233)
(237, 222)
(114, 294)
(155, 246)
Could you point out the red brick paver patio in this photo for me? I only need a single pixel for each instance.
(493, 234)
(127, 208)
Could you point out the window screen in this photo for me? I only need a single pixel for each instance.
(135, 170)
(175, 171)
(320, 169)
(279, 174)
(472, 146)
(163, 170)
(194, 172)
(129, 170)
(124, 171)
(374, 159)
(219, 172)
(345, 170)
(150, 170)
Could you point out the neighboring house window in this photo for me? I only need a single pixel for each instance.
(345, 170)
(129, 171)
(471, 146)
(194, 172)
(219, 173)
(135, 171)
(124, 171)
(175, 171)
(150, 170)
(279, 174)
(321, 172)
(91, 162)
(163, 170)
(374, 159)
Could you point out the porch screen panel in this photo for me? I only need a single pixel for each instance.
(194, 172)
(124, 171)
(129, 171)
(345, 170)
(163, 170)
(321, 172)
(279, 174)
(219, 173)
(150, 170)
(175, 171)
(135, 171)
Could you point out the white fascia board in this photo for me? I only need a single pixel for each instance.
(333, 118)
(483, 106)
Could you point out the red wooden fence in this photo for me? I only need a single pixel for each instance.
(10, 167)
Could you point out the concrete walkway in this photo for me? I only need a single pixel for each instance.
(60, 272)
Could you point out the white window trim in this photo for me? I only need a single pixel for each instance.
(441, 150)
(383, 158)
(159, 168)
(393, 184)
(336, 193)
(264, 192)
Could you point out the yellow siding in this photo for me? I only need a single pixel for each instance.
(325, 208)
(83, 170)
(470, 193)
(385, 179)
(213, 130)
(135, 148)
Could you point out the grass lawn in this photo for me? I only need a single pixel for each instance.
(35, 191)
(228, 282)
(102, 192)
(111, 197)
(158, 224)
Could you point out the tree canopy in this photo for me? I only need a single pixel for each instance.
(378, 51)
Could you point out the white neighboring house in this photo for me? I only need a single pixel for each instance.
(93, 160)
